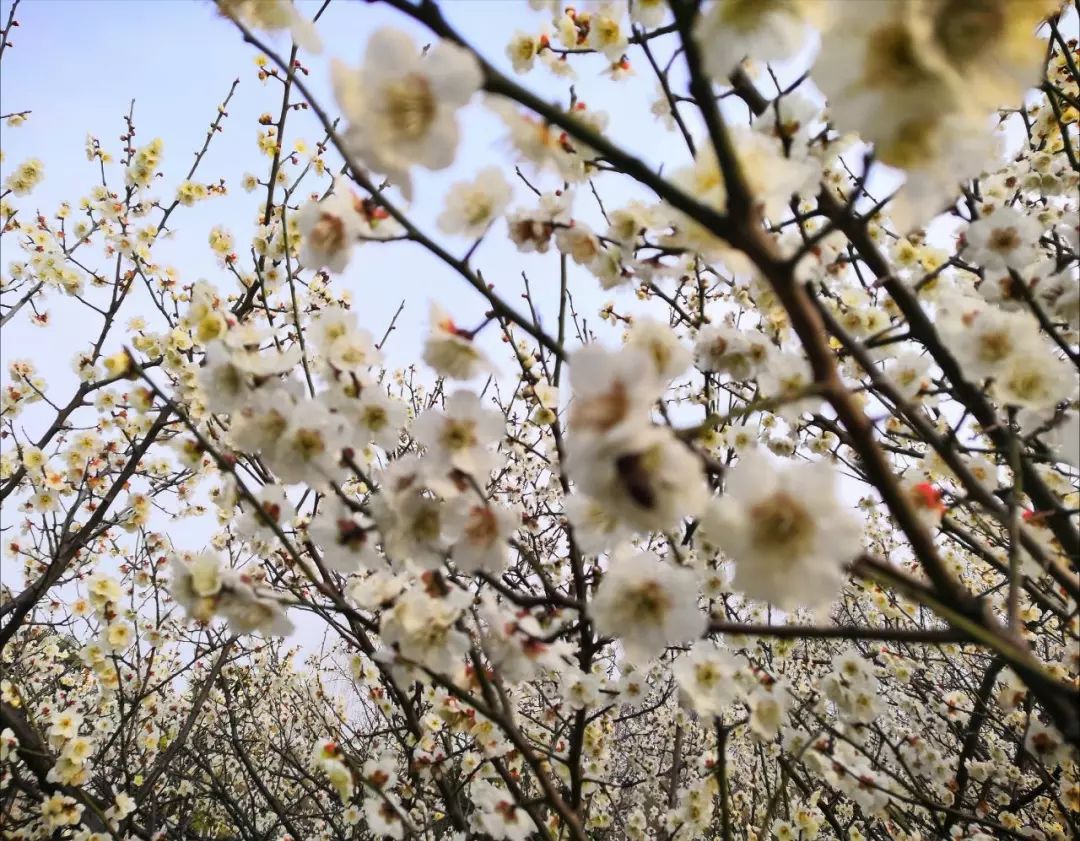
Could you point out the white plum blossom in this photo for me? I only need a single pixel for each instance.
(411, 523)
(402, 103)
(522, 51)
(383, 819)
(606, 34)
(596, 528)
(1006, 239)
(767, 30)
(225, 384)
(372, 417)
(722, 349)
(451, 351)
(346, 347)
(309, 447)
(579, 242)
(1035, 380)
(479, 532)
(346, 536)
(580, 689)
(609, 388)
(516, 644)
(706, 678)
(532, 230)
(643, 475)
(648, 13)
(1007, 347)
(461, 436)
(772, 176)
(788, 532)
(1064, 437)
(330, 229)
(648, 604)
(498, 814)
(204, 587)
(274, 15)
(909, 372)
(670, 357)
(471, 206)
(788, 379)
(274, 508)
(420, 627)
(768, 709)
(378, 589)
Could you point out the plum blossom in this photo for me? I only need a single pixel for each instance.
(451, 351)
(766, 30)
(274, 15)
(722, 349)
(786, 529)
(204, 587)
(515, 643)
(648, 604)
(644, 475)
(1006, 239)
(471, 206)
(402, 104)
(420, 627)
(330, 229)
(1008, 347)
(609, 389)
(532, 230)
(346, 536)
(596, 528)
(461, 436)
(498, 814)
(668, 355)
(478, 531)
(909, 372)
(706, 678)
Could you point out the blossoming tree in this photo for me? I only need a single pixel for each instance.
(752, 513)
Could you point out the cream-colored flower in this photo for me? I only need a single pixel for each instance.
(402, 103)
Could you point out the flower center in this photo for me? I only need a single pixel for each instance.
(964, 28)
(477, 209)
(1004, 240)
(893, 59)
(636, 471)
(328, 233)
(706, 674)
(480, 528)
(375, 417)
(458, 435)
(651, 602)
(747, 14)
(781, 523)
(309, 442)
(410, 106)
(995, 346)
(426, 524)
(1027, 384)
